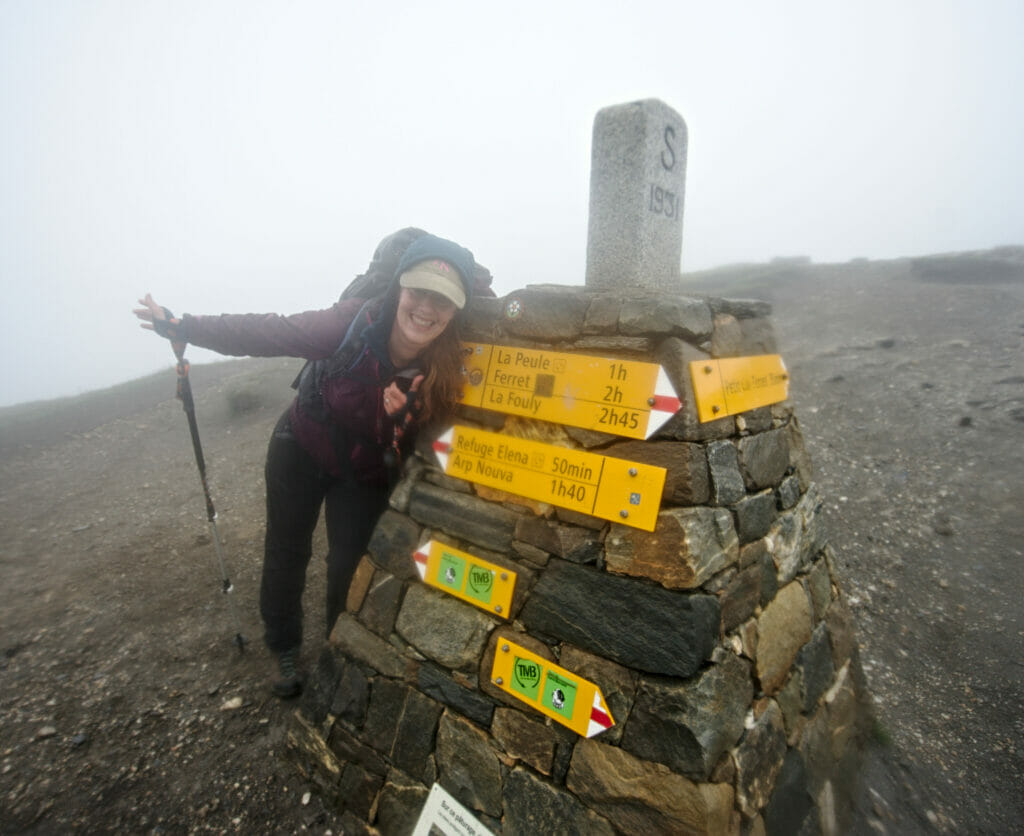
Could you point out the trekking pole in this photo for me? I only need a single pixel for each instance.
(187, 403)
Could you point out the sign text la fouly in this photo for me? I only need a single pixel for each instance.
(622, 397)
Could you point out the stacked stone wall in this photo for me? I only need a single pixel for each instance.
(721, 640)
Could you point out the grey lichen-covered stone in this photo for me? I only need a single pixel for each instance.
(354, 640)
(784, 627)
(751, 553)
(675, 356)
(400, 804)
(437, 684)
(580, 545)
(665, 632)
(357, 790)
(533, 806)
(461, 515)
(754, 420)
(689, 725)
(741, 597)
(788, 492)
(791, 803)
(754, 515)
(798, 536)
(469, 766)
(686, 548)
(759, 758)
(618, 684)
(380, 604)
(351, 695)
(799, 459)
(686, 482)
(791, 701)
(545, 313)
(411, 474)
(764, 458)
(393, 542)
(814, 662)
(640, 797)
(727, 486)
(758, 336)
(637, 184)
(348, 748)
(819, 587)
(614, 346)
(740, 308)
(443, 628)
(727, 336)
(677, 316)
(400, 724)
(524, 739)
(841, 633)
(769, 579)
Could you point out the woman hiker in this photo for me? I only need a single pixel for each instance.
(379, 368)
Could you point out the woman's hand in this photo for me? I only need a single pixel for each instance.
(157, 318)
(150, 312)
(395, 399)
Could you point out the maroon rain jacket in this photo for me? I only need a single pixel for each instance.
(354, 439)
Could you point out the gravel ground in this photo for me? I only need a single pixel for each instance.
(126, 707)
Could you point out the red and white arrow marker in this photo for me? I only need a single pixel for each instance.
(421, 557)
(600, 719)
(443, 447)
(666, 403)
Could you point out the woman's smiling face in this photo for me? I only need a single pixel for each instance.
(422, 316)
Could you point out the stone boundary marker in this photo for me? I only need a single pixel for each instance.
(637, 182)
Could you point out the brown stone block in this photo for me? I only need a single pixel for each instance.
(687, 547)
(360, 583)
(640, 797)
(784, 627)
(524, 739)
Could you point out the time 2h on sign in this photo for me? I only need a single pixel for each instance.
(610, 416)
(662, 201)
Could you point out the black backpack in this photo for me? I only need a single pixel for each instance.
(378, 275)
(371, 286)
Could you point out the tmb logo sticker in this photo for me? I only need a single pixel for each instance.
(526, 677)
(480, 583)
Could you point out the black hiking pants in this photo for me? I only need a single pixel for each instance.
(296, 489)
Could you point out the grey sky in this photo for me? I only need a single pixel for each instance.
(247, 156)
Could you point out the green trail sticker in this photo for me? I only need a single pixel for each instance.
(450, 570)
(480, 583)
(526, 677)
(559, 694)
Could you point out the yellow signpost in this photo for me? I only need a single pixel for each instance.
(736, 384)
(623, 397)
(554, 691)
(601, 486)
(466, 576)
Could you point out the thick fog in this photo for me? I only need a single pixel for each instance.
(247, 156)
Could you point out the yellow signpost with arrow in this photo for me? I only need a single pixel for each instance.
(560, 694)
(602, 486)
(623, 397)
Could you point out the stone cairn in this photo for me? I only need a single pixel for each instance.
(720, 640)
